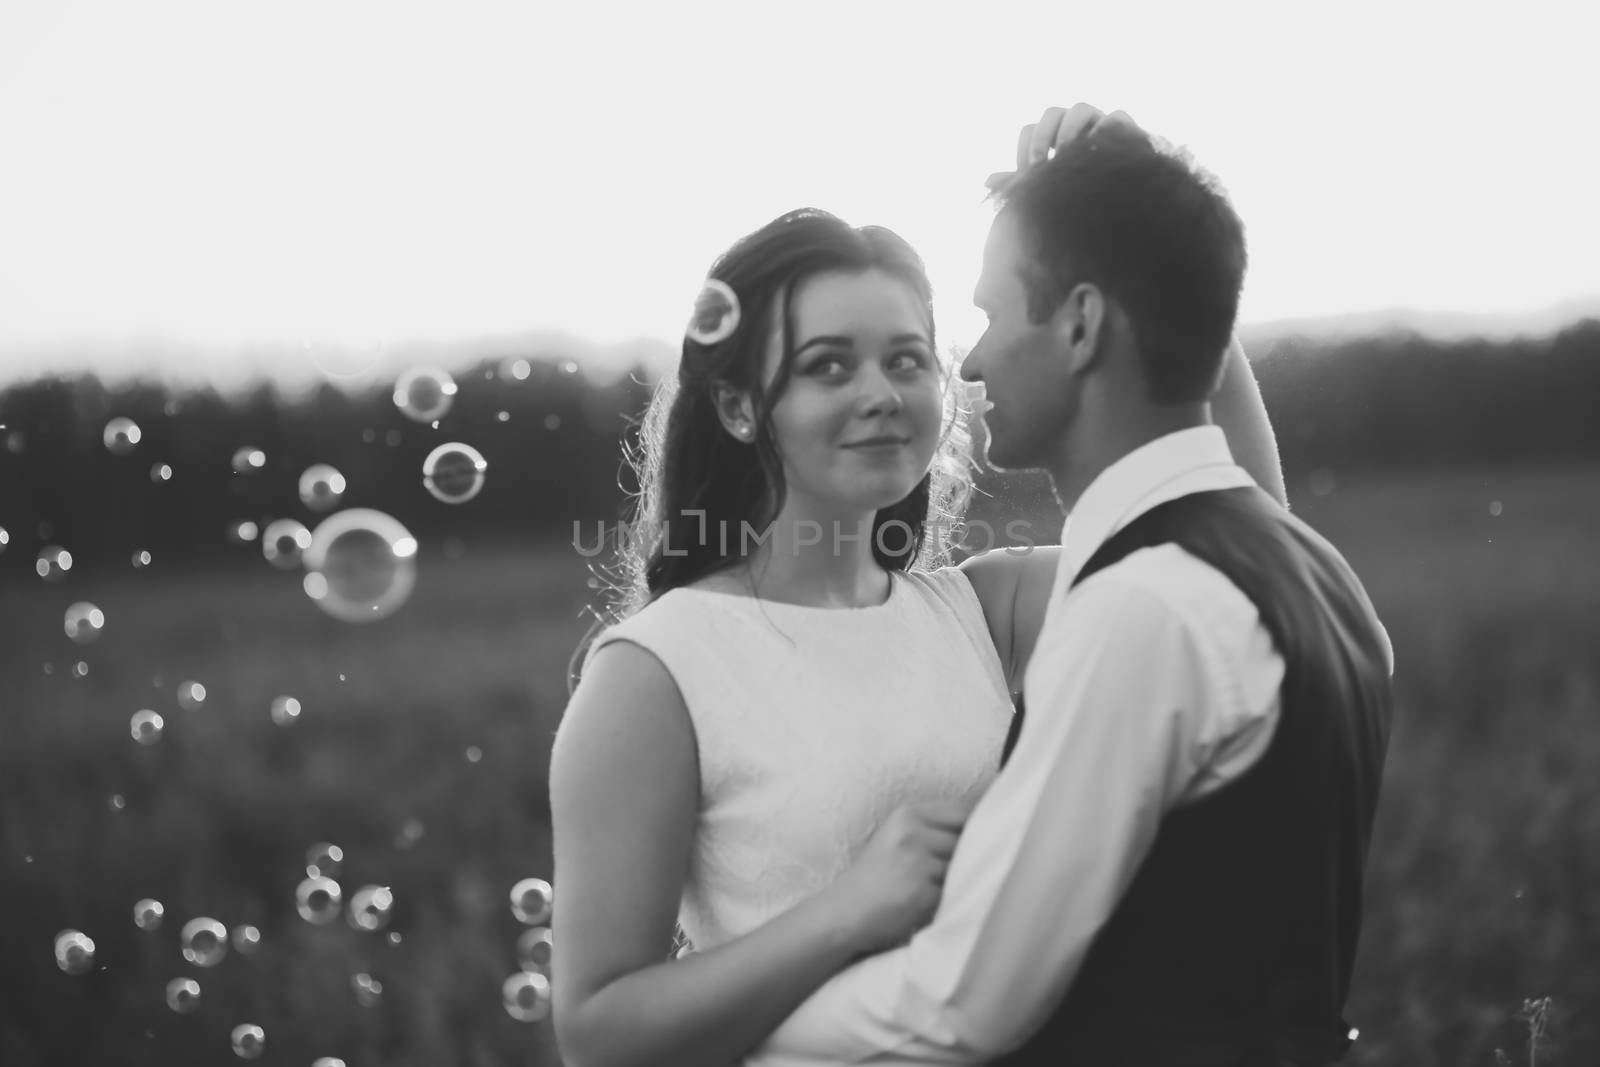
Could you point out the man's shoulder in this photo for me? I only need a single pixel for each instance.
(1167, 581)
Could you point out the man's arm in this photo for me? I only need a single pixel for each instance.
(1108, 743)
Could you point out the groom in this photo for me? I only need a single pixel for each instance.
(1168, 871)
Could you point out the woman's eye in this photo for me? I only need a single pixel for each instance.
(910, 360)
(827, 368)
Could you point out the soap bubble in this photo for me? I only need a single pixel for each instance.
(121, 436)
(327, 1061)
(409, 834)
(248, 1040)
(424, 394)
(248, 459)
(531, 900)
(74, 952)
(246, 939)
(183, 995)
(536, 948)
(318, 900)
(84, 622)
(363, 563)
(204, 942)
(716, 313)
(146, 726)
(5, 538)
(191, 696)
(453, 472)
(53, 563)
(321, 487)
(141, 560)
(526, 995)
(342, 361)
(148, 913)
(161, 472)
(368, 989)
(242, 532)
(285, 711)
(371, 908)
(324, 860)
(283, 542)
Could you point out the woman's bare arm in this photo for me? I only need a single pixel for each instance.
(624, 790)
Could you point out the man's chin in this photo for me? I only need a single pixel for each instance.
(1000, 458)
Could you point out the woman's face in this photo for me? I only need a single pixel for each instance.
(859, 420)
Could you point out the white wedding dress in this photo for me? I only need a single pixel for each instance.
(812, 724)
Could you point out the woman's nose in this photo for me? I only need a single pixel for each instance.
(882, 396)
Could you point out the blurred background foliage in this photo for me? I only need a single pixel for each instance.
(1462, 479)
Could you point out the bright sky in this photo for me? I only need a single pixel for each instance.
(212, 176)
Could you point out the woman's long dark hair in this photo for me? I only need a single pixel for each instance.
(687, 463)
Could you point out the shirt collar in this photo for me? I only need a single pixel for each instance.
(1174, 465)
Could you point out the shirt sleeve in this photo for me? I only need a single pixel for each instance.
(1115, 711)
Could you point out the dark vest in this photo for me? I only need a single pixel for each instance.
(1234, 943)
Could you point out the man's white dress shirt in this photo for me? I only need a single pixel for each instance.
(1152, 685)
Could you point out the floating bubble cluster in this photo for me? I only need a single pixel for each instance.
(183, 995)
(324, 860)
(368, 990)
(204, 942)
(146, 726)
(424, 394)
(285, 711)
(74, 952)
(453, 472)
(716, 313)
(361, 565)
(283, 543)
(84, 622)
(318, 900)
(249, 1041)
(121, 436)
(526, 995)
(147, 914)
(53, 563)
(371, 907)
(532, 900)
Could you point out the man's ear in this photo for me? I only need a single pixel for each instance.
(1081, 325)
(734, 410)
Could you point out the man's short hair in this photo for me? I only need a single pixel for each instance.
(1154, 232)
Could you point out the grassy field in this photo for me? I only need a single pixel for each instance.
(1484, 888)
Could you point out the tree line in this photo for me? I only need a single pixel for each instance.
(552, 440)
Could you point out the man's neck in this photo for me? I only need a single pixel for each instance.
(1094, 446)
